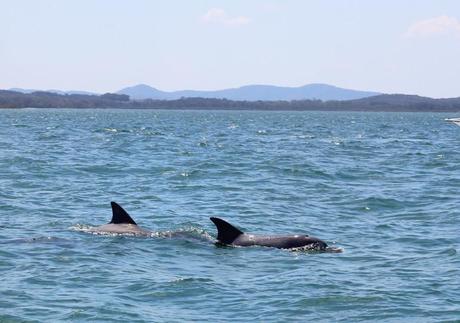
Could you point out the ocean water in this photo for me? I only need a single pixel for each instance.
(383, 187)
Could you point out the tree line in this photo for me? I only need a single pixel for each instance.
(385, 102)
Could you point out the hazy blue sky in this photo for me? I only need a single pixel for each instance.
(103, 45)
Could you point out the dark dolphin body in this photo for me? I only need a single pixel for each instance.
(229, 235)
(121, 223)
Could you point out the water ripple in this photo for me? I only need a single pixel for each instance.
(381, 187)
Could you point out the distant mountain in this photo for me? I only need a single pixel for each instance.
(27, 91)
(322, 92)
(143, 91)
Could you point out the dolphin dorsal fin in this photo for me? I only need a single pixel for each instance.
(226, 233)
(119, 215)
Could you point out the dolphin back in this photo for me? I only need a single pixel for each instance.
(119, 215)
(226, 233)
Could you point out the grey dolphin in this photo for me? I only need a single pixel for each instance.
(229, 235)
(121, 223)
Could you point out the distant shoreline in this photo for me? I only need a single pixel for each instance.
(378, 103)
(216, 109)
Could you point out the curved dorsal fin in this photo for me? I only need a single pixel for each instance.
(119, 215)
(226, 233)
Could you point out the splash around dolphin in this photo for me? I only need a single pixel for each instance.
(121, 223)
(227, 234)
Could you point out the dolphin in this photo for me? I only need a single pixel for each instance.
(121, 223)
(227, 234)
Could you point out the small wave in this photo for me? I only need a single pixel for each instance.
(186, 232)
(81, 228)
(180, 175)
(334, 140)
(306, 136)
(316, 249)
(40, 239)
(334, 249)
(380, 203)
(449, 252)
(92, 230)
(181, 280)
(138, 131)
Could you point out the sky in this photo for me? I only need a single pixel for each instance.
(390, 46)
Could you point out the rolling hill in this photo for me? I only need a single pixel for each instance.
(322, 92)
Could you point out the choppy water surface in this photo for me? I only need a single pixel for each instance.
(382, 186)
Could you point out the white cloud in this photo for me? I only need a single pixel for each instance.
(441, 25)
(219, 16)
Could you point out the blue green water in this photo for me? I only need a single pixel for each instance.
(384, 187)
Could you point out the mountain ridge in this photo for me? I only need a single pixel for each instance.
(254, 92)
(61, 92)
